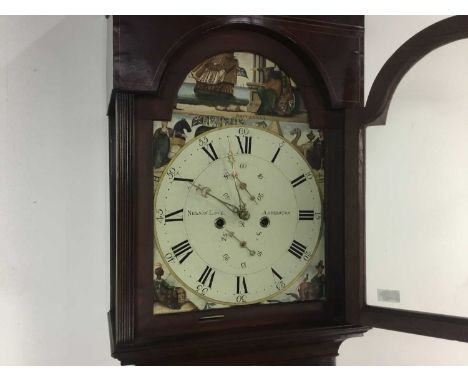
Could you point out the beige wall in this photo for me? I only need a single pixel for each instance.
(54, 201)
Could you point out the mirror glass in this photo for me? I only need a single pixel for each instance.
(417, 190)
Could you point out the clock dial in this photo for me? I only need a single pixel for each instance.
(237, 215)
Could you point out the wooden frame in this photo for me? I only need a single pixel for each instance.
(375, 113)
(145, 84)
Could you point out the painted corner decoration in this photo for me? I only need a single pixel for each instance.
(238, 190)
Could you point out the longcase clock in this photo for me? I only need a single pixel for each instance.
(236, 154)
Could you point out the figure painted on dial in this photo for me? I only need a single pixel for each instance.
(313, 289)
(165, 294)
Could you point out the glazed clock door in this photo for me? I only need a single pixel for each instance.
(412, 189)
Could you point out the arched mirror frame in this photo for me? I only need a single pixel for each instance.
(133, 324)
(357, 120)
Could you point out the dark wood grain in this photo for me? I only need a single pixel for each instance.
(124, 217)
(112, 201)
(299, 345)
(426, 324)
(145, 47)
(334, 219)
(354, 211)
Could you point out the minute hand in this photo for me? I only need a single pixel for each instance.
(206, 191)
(234, 175)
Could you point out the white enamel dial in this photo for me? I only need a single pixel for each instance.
(237, 215)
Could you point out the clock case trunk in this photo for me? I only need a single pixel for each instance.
(148, 59)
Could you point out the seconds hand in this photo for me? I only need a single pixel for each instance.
(242, 243)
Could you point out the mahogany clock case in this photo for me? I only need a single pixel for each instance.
(146, 72)
(324, 56)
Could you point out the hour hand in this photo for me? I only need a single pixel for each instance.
(243, 213)
(206, 191)
(243, 186)
(235, 176)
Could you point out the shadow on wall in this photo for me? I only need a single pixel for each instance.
(54, 225)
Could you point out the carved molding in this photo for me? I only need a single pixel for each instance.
(124, 265)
